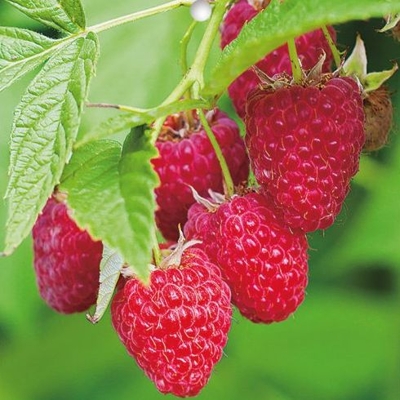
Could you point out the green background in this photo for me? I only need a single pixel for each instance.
(344, 341)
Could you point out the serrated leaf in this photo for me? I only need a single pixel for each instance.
(128, 120)
(21, 50)
(281, 21)
(110, 269)
(138, 180)
(111, 193)
(64, 15)
(45, 127)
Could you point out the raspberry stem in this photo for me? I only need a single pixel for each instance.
(184, 45)
(230, 187)
(156, 248)
(138, 15)
(184, 64)
(332, 46)
(294, 61)
(194, 74)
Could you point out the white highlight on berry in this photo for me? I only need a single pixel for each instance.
(200, 10)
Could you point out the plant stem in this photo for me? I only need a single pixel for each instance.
(204, 49)
(294, 60)
(184, 46)
(230, 187)
(139, 15)
(332, 46)
(184, 65)
(156, 248)
(195, 73)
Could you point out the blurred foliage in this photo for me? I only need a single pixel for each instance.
(344, 341)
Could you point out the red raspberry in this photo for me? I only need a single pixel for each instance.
(310, 47)
(263, 262)
(305, 144)
(177, 327)
(187, 158)
(66, 260)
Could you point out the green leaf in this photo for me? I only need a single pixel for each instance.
(137, 183)
(22, 50)
(64, 15)
(281, 21)
(110, 269)
(45, 127)
(111, 193)
(128, 120)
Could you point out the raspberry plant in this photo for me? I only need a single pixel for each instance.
(110, 187)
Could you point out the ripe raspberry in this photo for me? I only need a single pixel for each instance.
(378, 110)
(177, 327)
(66, 260)
(263, 262)
(310, 47)
(305, 144)
(187, 158)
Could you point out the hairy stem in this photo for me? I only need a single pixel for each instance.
(230, 187)
(294, 60)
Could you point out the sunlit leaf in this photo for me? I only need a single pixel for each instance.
(21, 50)
(45, 127)
(281, 21)
(64, 15)
(110, 190)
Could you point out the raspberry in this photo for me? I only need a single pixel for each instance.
(310, 47)
(66, 260)
(263, 262)
(305, 144)
(188, 159)
(177, 326)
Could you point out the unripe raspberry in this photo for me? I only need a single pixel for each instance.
(66, 260)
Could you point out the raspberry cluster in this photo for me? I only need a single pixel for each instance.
(302, 142)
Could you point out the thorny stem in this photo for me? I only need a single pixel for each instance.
(294, 60)
(139, 15)
(230, 187)
(332, 46)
